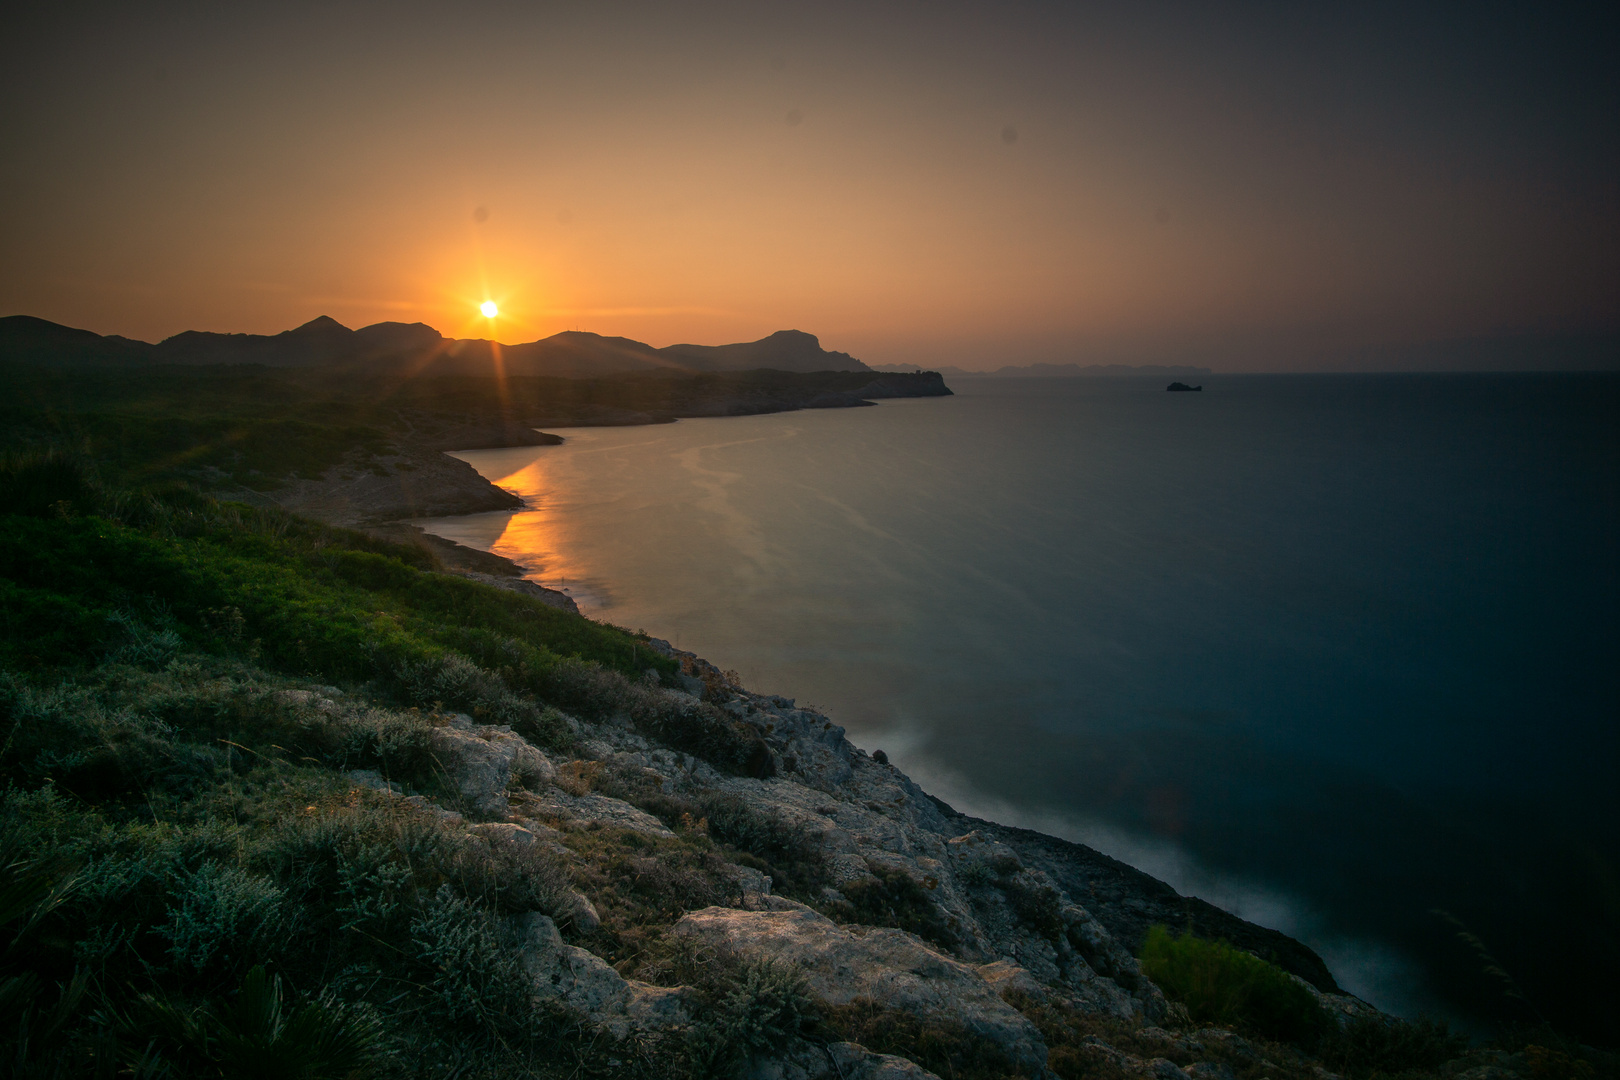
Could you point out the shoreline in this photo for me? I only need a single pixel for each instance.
(1125, 899)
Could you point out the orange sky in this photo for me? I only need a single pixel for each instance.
(925, 185)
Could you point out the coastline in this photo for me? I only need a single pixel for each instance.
(1127, 901)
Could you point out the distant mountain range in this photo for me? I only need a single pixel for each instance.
(1061, 371)
(414, 347)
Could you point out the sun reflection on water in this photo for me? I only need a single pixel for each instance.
(535, 538)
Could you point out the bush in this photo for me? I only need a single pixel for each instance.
(894, 899)
(474, 972)
(218, 913)
(683, 723)
(44, 482)
(256, 1035)
(1367, 1046)
(938, 1045)
(744, 1006)
(796, 864)
(67, 736)
(1221, 984)
(749, 1007)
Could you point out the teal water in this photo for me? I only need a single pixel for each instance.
(1331, 651)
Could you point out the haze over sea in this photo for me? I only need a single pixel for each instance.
(1330, 651)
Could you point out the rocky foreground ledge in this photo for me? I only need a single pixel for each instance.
(1002, 920)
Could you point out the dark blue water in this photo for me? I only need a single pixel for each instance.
(1336, 652)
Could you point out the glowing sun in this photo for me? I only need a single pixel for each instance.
(489, 309)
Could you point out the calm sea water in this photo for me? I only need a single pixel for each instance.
(1335, 652)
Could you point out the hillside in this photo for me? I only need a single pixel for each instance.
(260, 766)
(285, 798)
(416, 349)
(357, 447)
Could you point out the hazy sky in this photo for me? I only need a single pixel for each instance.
(975, 184)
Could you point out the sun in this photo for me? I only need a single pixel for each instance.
(489, 309)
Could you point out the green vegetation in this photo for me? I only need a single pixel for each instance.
(1224, 985)
(942, 1047)
(1368, 1046)
(893, 898)
(78, 568)
(748, 1006)
(257, 427)
(188, 879)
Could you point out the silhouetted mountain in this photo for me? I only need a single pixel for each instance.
(25, 338)
(318, 341)
(416, 348)
(785, 350)
(397, 337)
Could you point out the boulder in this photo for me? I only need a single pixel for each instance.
(598, 808)
(585, 983)
(481, 762)
(891, 967)
(835, 1061)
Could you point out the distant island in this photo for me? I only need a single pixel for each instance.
(1064, 371)
(1183, 386)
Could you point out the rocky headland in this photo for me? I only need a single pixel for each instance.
(505, 832)
(997, 922)
(979, 912)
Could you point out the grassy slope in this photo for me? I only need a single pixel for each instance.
(172, 819)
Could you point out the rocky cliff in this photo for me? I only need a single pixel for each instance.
(986, 923)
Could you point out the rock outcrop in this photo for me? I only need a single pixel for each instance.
(886, 966)
(997, 921)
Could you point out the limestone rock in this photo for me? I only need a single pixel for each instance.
(889, 966)
(580, 912)
(585, 983)
(504, 832)
(483, 761)
(1161, 1069)
(834, 1061)
(600, 808)
(373, 779)
(1004, 977)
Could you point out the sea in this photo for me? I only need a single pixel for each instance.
(1337, 653)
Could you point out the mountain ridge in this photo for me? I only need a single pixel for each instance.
(416, 347)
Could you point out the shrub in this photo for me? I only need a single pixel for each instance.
(66, 736)
(506, 875)
(894, 898)
(938, 1045)
(1221, 984)
(749, 1006)
(683, 723)
(474, 973)
(796, 864)
(218, 913)
(142, 645)
(1367, 1046)
(256, 1035)
(1035, 906)
(43, 482)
